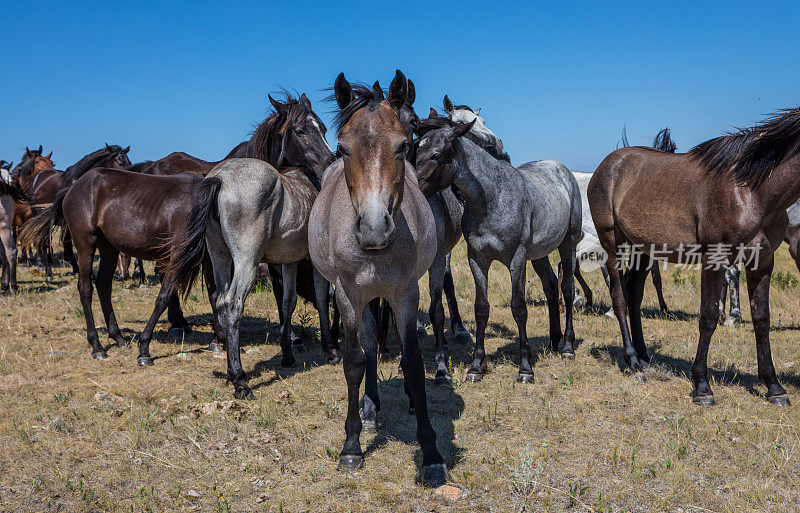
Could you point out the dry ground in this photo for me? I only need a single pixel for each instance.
(82, 435)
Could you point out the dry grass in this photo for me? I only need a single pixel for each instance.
(81, 435)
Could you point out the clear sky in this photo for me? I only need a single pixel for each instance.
(554, 79)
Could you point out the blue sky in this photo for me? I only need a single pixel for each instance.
(555, 80)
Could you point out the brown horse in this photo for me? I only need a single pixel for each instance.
(373, 235)
(723, 201)
(31, 164)
(43, 187)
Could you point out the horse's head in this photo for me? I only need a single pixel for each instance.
(25, 167)
(435, 164)
(373, 144)
(294, 136)
(114, 156)
(5, 166)
(42, 162)
(480, 133)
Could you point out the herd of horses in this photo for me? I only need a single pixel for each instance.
(356, 228)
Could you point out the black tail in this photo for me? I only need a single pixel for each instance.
(36, 232)
(188, 248)
(664, 142)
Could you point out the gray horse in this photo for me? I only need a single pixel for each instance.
(10, 193)
(512, 215)
(372, 234)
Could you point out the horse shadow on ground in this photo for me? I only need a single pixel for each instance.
(682, 368)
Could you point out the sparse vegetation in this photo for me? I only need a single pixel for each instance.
(85, 435)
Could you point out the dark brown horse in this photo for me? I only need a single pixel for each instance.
(43, 187)
(32, 163)
(723, 201)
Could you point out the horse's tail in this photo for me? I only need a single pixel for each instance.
(188, 248)
(37, 231)
(664, 142)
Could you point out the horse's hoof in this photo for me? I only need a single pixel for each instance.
(780, 400)
(610, 313)
(144, 361)
(568, 355)
(442, 378)
(244, 393)
(99, 355)
(288, 361)
(124, 343)
(704, 400)
(369, 426)
(474, 377)
(175, 333)
(215, 347)
(524, 377)
(350, 463)
(578, 303)
(334, 357)
(434, 475)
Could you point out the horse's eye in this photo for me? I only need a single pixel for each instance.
(436, 156)
(403, 148)
(341, 152)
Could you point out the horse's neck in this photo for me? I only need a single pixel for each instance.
(782, 188)
(479, 177)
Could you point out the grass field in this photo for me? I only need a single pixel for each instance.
(84, 435)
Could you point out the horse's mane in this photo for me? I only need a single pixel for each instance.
(139, 166)
(750, 154)
(663, 141)
(79, 168)
(364, 97)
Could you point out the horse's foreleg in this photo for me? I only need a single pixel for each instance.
(758, 290)
(550, 287)
(520, 312)
(289, 272)
(659, 291)
(587, 290)
(436, 313)
(405, 311)
(710, 289)
(372, 402)
(480, 273)
(218, 343)
(354, 363)
(732, 279)
(331, 347)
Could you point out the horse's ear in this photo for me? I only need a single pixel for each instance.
(40, 149)
(433, 114)
(278, 106)
(126, 150)
(448, 105)
(398, 90)
(377, 90)
(412, 93)
(305, 102)
(108, 147)
(477, 112)
(27, 151)
(49, 155)
(462, 128)
(343, 91)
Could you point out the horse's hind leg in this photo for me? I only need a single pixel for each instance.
(608, 239)
(722, 297)
(434, 472)
(105, 277)
(732, 279)
(710, 288)
(520, 312)
(165, 295)
(758, 290)
(457, 328)
(85, 258)
(587, 290)
(217, 344)
(331, 347)
(436, 313)
(289, 295)
(634, 282)
(480, 273)
(659, 291)
(550, 287)
(69, 254)
(567, 253)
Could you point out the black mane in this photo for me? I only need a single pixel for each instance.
(750, 154)
(364, 97)
(663, 142)
(79, 168)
